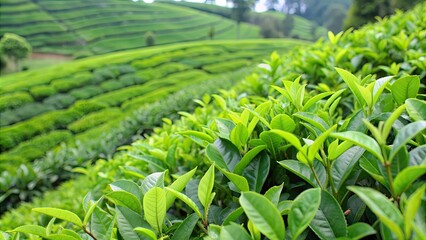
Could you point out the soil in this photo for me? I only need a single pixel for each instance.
(50, 56)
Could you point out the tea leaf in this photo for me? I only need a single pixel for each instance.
(263, 214)
(247, 158)
(125, 199)
(404, 88)
(185, 229)
(186, 200)
(234, 232)
(146, 233)
(406, 134)
(360, 230)
(205, 187)
(154, 207)
(416, 109)
(406, 177)
(60, 214)
(178, 185)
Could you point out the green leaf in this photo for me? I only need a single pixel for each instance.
(60, 214)
(128, 186)
(406, 134)
(387, 127)
(304, 172)
(233, 216)
(178, 185)
(416, 109)
(224, 154)
(274, 193)
(329, 221)
(406, 177)
(239, 135)
(360, 230)
(263, 214)
(384, 209)
(353, 84)
(404, 88)
(224, 126)
(312, 101)
(289, 137)
(342, 167)
(239, 181)
(220, 101)
(257, 172)
(127, 220)
(361, 140)
(285, 206)
(411, 208)
(102, 224)
(247, 158)
(283, 122)
(373, 169)
(205, 187)
(379, 86)
(418, 156)
(313, 119)
(186, 200)
(185, 229)
(153, 180)
(125, 199)
(61, 237)
(272, 141)
(154, 207)
(196, 135)
(31, 229)
(317, 144)
(234, 232)
(72, 233)
(303, 211)
(147, 233)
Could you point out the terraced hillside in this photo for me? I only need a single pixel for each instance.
(77, 102)
(302, 27)
(81, 27)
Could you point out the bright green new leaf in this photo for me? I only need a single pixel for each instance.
(284, 207)
(186, 200)
(62, 237)
(254, 232)
(283, 122)
(154, 207)
(239, 135)
(31, 229)
(125, 199)
(205, 187)
(274, 193)
(303, 211)
(184, 231)
(317, 144)
(272, 141)
(128, 186)
(198, 137)
(60, 214)
(404, 88)
(247, 158)
(312, 101)
(387, 127)
(234, 232)
(353, 82)
(153, 180)
(416, 109)
(406, 134)
(289, 137)
(239, 181)
(379, 86)
(146, 233)
(233, 216)
(263, 214)
(313, 119)
(360, 230)
(224, 127)
(406, 177)
(384, 209)
(178, 185)
(361, 140)
(411, 209)
(329, 221)
(73, 234)
(220, 101)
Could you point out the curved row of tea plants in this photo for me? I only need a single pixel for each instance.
(340, 157)
(98, 26)
(96, 96)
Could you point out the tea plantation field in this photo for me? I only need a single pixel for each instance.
(90, 104)
(83, 28)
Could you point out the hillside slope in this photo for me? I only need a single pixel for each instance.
(82, 28)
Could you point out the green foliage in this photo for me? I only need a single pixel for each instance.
(288, 25)
(15, 47)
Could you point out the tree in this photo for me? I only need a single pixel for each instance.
(149, 39)
(337, 14)
(240, 11)
(15, 48)
(288, 25)
(211, 33)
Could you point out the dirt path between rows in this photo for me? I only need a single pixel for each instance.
(50, 56)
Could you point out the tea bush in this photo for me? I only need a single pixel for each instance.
(338, 157)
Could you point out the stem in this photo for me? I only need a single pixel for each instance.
(316, 177)
(89, 233)
(390, 179)
(202, 227)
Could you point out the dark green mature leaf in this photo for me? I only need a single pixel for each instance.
(372, 168)
(125, 199)
(303, 211)
(357, 207)
(360, 230)
(233, 216)
(416, 109)
(234, 232)
(224, 154)
(289, 137)
(31, 229)
(186, 200)
(344, 164)
(404, 88)
(418, 156)
(304, 172)
(329, 221)
(178, 185)
(127, 220)
(283, 122)
(272, 141)
(405, 135)
(102, 224)
(60, 214)
(361, 140)
(184, 231)
(154, 207)
(247, 158)
(384, 209)
(263, 214)
(406, 177)
(153, 180)
(257, 172)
